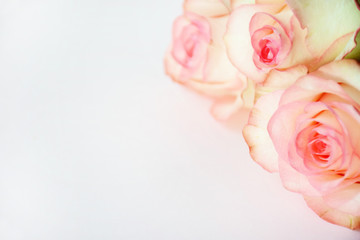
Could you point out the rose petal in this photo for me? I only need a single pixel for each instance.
(311, 88)
(332, 215)
(218, 67)
(223, 108)
(346, 199)
(279, 80)
(256, 135)
(294, 181)
(299, 53)
(346, 72)
(238, 3)
(207, 8)
(324, 29)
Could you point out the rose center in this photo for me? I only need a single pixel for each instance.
(268, 52)
(320, 150)
(266, 55)
(190, 44)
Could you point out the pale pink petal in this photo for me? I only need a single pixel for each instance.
(327, 183)
(256, 135)
(282, 126)
(294, 181)
(234, 98)
(225, 107)
(207, 8)
(280, 79)
(238, 3)
(248, 95)
(324, 29)
(299, 53)
(350, 117)
(218, 89)
(345, 199)
(346, 72)
(310, 88)
(218, 67)
(332, 215)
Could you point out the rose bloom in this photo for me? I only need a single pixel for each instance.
(310, 134)
(264, 35)
(273, 34)
(197, 58)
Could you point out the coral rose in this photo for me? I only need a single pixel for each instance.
(310, 133)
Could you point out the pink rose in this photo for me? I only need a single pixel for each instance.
(197, 58)
(273, 34)
(265, 36)
(191, 40)
(310, 133)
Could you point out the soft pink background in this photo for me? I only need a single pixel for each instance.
(97, 143)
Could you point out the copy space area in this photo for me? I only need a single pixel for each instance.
(97, 143)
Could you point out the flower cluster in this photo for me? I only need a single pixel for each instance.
(295, 65)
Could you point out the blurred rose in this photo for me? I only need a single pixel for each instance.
(189, 51)
(310, 133)
(197, 58)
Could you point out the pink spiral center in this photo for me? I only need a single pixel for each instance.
(268, 53)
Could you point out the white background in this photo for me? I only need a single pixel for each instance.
(97, 143)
